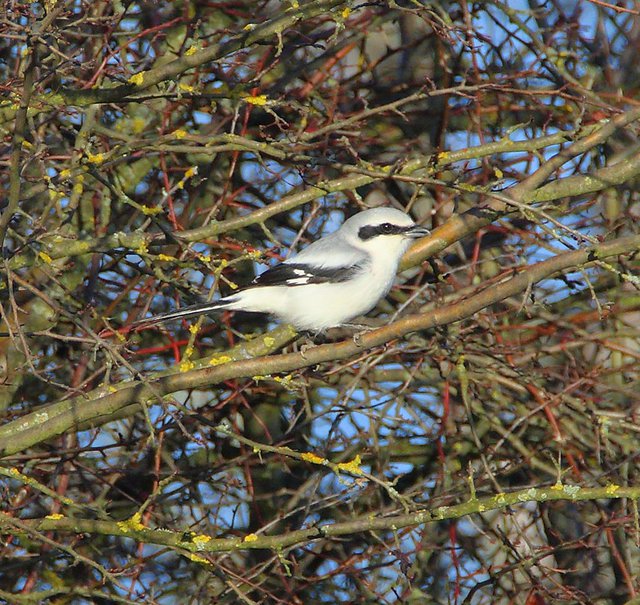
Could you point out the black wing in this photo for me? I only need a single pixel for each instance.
(299, 274)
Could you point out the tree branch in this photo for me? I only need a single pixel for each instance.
(102, 405)
(202, 544)
(146, 79)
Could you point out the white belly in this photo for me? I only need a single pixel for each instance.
(314, 307)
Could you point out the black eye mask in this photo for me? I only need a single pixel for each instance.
(369, 231)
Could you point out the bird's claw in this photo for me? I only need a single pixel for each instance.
(357, 337)
(304, 348)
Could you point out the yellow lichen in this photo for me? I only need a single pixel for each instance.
(180, 133)
(352, 467)
(138, 125)
(78, 185)
(137, 79)
(166, 257)
(186, 365)
(611, 489)
(250, 538)
(55, 516)
(54, 195)
(132, 524)
(151, 210)
(200, 540)
(219, 360)
(313, 458)
(45, 257)
(258, 100)
(95, 158)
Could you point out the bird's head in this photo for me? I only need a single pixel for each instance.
(382, 230)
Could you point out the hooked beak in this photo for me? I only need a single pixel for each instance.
(416, 231)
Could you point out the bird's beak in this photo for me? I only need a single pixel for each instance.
(416, 231)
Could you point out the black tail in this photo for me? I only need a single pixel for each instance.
(185, 312)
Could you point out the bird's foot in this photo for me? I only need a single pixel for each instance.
(305, 347)
(362, 330)
(309, 343)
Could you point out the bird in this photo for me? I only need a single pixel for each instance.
(335, 279)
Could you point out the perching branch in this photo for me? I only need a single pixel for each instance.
(104, 404)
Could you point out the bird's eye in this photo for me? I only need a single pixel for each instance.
(386, 228)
